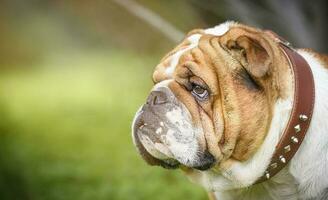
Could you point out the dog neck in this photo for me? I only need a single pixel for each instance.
(282, 186)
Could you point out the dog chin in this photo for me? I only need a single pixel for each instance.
(205, 164)
(164, 156)
(162, 141)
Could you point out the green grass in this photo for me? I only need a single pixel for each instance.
(65, 132)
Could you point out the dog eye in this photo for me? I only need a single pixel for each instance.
(199, 92)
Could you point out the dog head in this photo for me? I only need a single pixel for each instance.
(212, 99)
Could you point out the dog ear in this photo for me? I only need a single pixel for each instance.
(253, 54)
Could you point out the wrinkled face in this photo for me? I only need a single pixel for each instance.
(211, 101)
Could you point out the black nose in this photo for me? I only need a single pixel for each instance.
(157, 98)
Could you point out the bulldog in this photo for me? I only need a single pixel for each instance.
(221, 104)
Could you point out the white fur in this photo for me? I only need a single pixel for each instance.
(163, 149)
(159, 130)
(164, 83)
(182, 139)
(220, 29)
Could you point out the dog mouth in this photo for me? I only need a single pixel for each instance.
(205, 163)
(205, 160)
(174, 164)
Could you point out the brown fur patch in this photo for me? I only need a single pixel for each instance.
(237, 115)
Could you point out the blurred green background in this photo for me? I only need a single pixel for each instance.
(74, 72)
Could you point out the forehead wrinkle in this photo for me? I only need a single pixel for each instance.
(202, 68)
(219, 58)
(207, 64)
(175, 58)
(218, 30)
(185, 42)
(175, 61)
(205, 46)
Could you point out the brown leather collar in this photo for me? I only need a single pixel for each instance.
(299, 121)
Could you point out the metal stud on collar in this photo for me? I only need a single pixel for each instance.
(267, 175)
(303, 117)
(282, 159)
(287, 44)
(287, 148)
(294, 139)
(297, 128)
